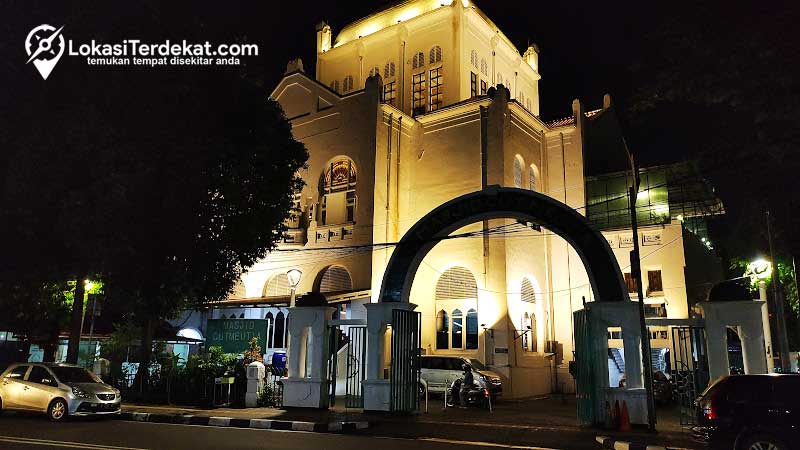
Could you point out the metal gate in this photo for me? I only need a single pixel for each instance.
(356, 366)
(689, 369)
(585, 386)
(334, 341)
(404, 395)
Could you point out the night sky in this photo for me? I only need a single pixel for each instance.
(588, 48)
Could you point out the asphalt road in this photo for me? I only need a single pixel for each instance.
(22, 432)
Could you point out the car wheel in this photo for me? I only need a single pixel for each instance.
(761, 441)
(58, 410)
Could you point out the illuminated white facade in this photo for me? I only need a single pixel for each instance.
(409, 108)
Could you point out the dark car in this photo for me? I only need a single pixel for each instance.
(750, 412)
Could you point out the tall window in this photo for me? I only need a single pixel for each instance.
(338, 192)
(435, 55)
(518, 163)
(472, 329)
(270, 329)
(390, 93)
(473, 58)
(335, 85)
(347, 83)
(280, 331)
(630, 282)
(484, 67)
(436, 89)
(374, 71)
(458, 329)
(418, 93)
(442, 330)
(483, 87)
(532, 178)
(473, 84)
(526, 328)
(654, 281)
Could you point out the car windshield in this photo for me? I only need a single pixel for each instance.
(477, 365)
(74, 375)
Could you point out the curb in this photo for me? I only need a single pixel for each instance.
(611, 443)
(262, 424)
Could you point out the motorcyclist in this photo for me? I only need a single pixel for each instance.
(467, 384)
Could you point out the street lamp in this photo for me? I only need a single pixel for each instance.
(294, 279)
(759, 272)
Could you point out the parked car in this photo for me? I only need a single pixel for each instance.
(60, 390)
(437, 373)
(750, 412)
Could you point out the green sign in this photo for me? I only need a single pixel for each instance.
(233, 335)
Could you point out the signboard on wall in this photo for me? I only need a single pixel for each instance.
(233, 335)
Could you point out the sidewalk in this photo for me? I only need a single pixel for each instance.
(544, 422)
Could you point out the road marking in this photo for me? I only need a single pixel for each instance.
(23, 440)
(482, 444)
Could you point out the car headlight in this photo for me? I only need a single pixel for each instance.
(78, 392)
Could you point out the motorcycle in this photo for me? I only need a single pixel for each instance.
(478, 395)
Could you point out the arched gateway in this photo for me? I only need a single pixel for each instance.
(499, 202)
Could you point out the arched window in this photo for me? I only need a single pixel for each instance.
(418, 61)
(442, 330)
(525, 327)
(388, 70)
(335, 85)
(270, 329)
(435, 55)
(277, 285)
(456, 283)
(532, 175)
(518, 165)
(374, 71)
(473, 58)
(534, 345)
(484, 67)
(280, 331)
(347, 83)
(338, 192)
(528, 293)
(335, 279)
(472, 329)
(458, 329)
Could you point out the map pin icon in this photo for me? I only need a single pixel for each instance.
(45, 47)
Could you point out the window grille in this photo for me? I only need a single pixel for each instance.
(435, 55)
(517, 172)
(484, 67)
(374, 71)
(347, 83)
(473, 84)
(390, 93)
(531, 178)
(528, 294)
(335, 279)
(483, 87)
(436, 89)
(456, 283)
(418, 93)
(277, 285)
(473, 58)
(418, 61)
(388, 70)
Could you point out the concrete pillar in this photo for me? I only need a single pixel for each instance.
(377, 389)
(746, 315)
(308, 341)
(255, 383)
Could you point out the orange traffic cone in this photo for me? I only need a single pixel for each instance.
(616, 415)
(609, 422)
(624, 418)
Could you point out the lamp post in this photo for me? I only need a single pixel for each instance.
(759, 271)
(294, 279)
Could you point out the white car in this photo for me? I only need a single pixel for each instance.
(60, 390)
(437, 373)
